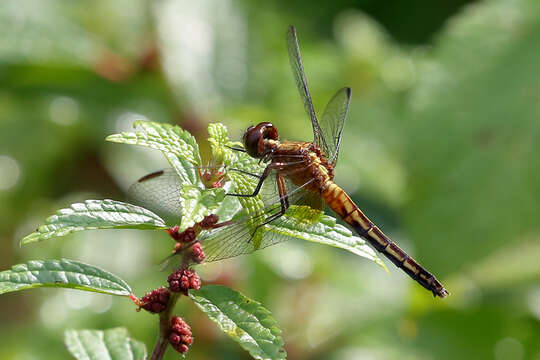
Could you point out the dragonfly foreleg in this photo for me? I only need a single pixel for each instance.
(235, 148)
(246, 172)
(261, 177)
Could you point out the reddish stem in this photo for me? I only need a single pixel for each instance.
(164, 329)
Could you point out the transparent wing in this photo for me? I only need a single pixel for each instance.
(247, 234)
(297, 66)
(159, 192)
(297, 195)
(333, 120)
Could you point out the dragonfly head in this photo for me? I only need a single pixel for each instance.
(254, 138)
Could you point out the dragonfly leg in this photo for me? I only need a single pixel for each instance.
(262, 177)
(273, 166)
(283, 197)
(246, 172)
(235, 148)
(284, 201)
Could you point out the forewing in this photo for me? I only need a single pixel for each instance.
(295, 58)
(333, 120)
(160, 193)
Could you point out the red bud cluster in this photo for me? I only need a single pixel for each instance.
(185, 236)
(155, 301)
(197, 253)
(189, 236)
(184, 279)
(180, 335)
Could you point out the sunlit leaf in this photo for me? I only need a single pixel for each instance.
(62, 273)
(95, 214)
(178, 145)
(197, 203)
(113, 344)
(219, 140)
(229, 207)
(242, 319)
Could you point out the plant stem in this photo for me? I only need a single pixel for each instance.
(164, 328)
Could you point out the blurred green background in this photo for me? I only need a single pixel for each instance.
(440, 149)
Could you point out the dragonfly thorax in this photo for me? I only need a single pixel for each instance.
(302, 162)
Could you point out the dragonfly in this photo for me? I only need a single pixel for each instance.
(297, 179)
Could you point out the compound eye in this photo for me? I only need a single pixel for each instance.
(252, 138)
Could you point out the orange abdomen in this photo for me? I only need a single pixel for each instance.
(336, 198)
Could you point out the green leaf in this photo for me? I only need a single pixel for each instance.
(113, 344)
(96, 214)
(61, 273)
(178, 145)
(244, 320)
(243, 184)
(219, 140)
(198, 203)
(229, 207)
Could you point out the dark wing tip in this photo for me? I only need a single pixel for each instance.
(150, 176)
(291, 34)
(347, 90)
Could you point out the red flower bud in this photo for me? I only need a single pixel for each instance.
(156, 300)
(180, 336)
(197, 253)
(184, 279)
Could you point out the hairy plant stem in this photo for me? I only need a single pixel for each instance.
(164, 328)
